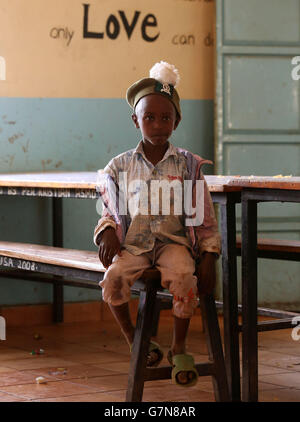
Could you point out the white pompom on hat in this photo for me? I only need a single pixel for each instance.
(165, 73)
(164, 77)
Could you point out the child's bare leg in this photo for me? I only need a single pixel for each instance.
(122, 316)
(180, 330)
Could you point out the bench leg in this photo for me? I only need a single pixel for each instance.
(140, 346)
(57, 234)
(215, 350)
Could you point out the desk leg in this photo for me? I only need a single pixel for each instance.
(249, 300)
(58, 292)
(230, 302)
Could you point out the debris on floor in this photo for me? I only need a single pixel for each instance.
(59, 371)
(41, 380)
(37, 352)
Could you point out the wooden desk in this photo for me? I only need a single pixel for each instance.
(253, 189)
(275, 190)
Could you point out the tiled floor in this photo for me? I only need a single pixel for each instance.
(89, 362)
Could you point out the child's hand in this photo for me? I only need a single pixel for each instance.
(206, 274)
(109, 246)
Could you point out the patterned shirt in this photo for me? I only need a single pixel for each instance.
(144, 218)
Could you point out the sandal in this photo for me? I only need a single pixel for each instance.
(183, 363)
(154, 349)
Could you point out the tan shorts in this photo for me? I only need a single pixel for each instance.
(176, 266)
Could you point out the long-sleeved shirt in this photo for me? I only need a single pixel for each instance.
(139, 217)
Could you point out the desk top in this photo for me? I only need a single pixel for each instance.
(87, 180)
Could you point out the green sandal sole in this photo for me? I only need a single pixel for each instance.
(183, 363)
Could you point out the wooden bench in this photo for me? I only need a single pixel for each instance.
(61, 266)
(275, 249)
(79, 268)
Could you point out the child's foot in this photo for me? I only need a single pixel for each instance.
(185, 377)
(184, 372)
(155, 354)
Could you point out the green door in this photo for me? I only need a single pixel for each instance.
(258, 120)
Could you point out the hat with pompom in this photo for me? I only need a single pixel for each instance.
(164, 77)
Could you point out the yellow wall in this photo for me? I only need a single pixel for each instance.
(47, 55)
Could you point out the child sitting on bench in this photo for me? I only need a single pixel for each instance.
(145, 236)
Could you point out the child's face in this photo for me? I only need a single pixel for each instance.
(156, 117)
